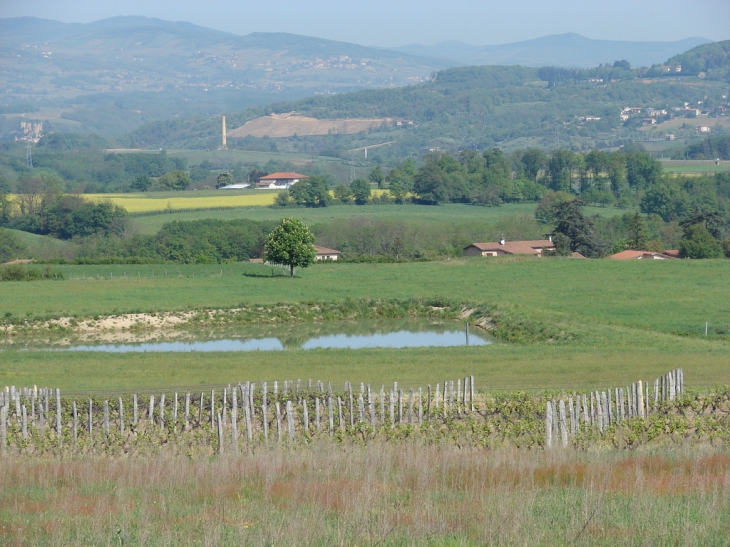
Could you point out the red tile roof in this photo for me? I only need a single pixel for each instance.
(283, 175)
(531, 247)
(325, 250)
(629, 254)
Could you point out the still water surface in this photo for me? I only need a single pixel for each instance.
(350, 335)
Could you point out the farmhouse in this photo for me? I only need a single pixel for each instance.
(323, 253)
(279, 181)
(639, 255)
(503, 247)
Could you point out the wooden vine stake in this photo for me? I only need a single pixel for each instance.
(75, 423)
(106, 418)
(59, 430)
(563, 425)
(121, 418)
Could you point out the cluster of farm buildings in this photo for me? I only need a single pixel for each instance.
(274, 181)
(539, 247)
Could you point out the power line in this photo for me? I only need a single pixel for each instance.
(28, 154)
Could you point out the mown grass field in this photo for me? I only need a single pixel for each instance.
(444, 213)
(703, 167)
(630, 320)
(664, 296)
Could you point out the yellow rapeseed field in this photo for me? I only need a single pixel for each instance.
(135, 204)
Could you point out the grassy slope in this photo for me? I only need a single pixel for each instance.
(443, 213)
(43, 246)
(662, 296)
(624, 314)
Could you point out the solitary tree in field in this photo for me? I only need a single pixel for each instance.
(290, 243)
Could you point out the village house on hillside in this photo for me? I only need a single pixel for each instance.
(499, 248)
(279, 181)
(639, 255)
(323, 253)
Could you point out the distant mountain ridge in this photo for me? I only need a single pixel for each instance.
(182, 52)
(568, 50)
(112, 76)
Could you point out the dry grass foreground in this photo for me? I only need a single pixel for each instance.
(288, 125)
(379, 494)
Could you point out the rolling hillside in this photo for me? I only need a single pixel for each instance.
(112, 76)
(565, 50)
(475, 107)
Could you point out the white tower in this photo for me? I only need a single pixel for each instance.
(224, 146)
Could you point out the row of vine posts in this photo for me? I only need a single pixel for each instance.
(600, 409)
(39, 419)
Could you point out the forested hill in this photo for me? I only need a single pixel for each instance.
(711, 59)
(473, 107)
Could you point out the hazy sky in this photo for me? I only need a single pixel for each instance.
(398, 22)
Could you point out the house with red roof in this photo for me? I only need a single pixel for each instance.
(279, 181)
(323, 253)
(500, 248)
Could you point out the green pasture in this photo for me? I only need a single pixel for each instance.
(700, 170)
(618, 357)
(449, 213)
(704, 167)
(43, 246)
(628, 320)
(667, 296)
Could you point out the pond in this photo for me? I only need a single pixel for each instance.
(280, 337)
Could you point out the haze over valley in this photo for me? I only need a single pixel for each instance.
(113, 75)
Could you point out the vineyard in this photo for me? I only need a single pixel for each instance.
(237, 417)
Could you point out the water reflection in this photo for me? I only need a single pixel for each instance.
(352, 335)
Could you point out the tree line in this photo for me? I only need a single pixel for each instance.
(40, 207)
